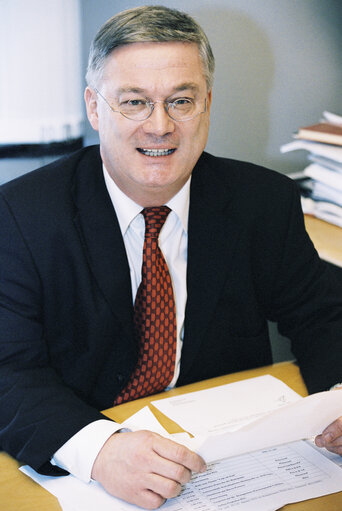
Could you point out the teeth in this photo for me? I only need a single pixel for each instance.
(156, 152)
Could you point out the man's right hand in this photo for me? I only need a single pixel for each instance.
(144, 468)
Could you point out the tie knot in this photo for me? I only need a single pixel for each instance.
(154, 220)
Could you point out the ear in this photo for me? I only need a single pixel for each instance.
(209, 99)
(90, 98)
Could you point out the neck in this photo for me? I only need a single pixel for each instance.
(151, 196)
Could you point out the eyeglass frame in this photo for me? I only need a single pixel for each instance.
(152, 105)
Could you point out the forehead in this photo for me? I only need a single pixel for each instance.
(148, 65)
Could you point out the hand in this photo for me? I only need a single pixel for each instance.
(331, 437)
(144, 468)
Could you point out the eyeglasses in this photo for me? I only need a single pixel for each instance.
(181, 109)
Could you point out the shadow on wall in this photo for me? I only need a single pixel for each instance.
(243, 81)
(281, 346)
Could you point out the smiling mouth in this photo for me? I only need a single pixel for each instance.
(156, 152)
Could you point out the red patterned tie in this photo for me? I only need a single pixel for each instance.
(154, 316)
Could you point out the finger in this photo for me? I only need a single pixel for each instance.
(150, 500)
(335, 443)
(335, 449)
(319, 441)
(180, 454)
(162, 486)
(170, 469)
(331, 432)
(335, 446)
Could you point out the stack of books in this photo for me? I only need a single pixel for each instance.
(320, 182)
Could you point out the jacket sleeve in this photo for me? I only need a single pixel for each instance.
(307, 302)
(38, 412)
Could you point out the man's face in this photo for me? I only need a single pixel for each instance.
(155, 72)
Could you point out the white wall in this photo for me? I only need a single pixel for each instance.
(279, 66)
(40, 71)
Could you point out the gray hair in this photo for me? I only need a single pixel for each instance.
(148, 24)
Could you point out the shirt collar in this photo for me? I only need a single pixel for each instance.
(126, 209)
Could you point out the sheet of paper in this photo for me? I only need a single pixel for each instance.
(144, 419)
(74, 494)
(265, 480)
(333, 118)
(301, 420)
(227, 407)
(326, 150)
(326, 176)
(261, 481)
(218, 436)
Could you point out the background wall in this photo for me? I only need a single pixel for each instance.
(40, 71)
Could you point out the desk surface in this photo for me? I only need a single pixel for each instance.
(19, 493)
(327, 239)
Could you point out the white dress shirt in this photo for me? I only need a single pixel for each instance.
(78, 454)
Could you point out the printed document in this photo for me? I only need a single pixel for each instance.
(231, 430)
(227, 407)
(261, 480)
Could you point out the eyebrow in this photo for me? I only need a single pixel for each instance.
(137, 90)
(122, 90)
(187, 86)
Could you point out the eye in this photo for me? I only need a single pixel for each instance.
(180, 102)
(134, 102)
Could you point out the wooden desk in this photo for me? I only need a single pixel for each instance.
(327, 239)
(19, 493)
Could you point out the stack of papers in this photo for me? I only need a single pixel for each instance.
(321, 181)
(252, 445)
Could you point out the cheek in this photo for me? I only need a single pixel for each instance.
(109, 123)
(197, 139)
(111, 134)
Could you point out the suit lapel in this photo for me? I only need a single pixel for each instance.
(100, 233)
(211, 244)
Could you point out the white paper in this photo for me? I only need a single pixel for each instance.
(75, 494)
(144, 419)
(326, 162)
(329, 213)
(301, 420)
(227, 407)
(326, 150)
(218, 436)
(322, 192)
(332, 118)
(262, 481)
(324, 175)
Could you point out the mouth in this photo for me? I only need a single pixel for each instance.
(155, 152)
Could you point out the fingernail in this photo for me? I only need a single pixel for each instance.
(203, 469)
(319, 441)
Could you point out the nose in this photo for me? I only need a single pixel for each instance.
(159, 123)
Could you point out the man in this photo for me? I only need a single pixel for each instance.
(71, 252)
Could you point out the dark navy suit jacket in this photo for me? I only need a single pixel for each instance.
(66, 335)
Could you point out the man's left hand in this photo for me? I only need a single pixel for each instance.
(331, 437)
